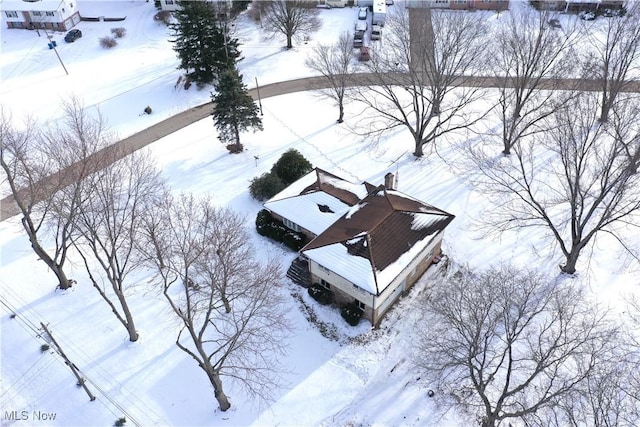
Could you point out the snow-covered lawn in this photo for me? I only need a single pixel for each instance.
(337, 375)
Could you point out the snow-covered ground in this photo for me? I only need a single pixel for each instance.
(337, 375)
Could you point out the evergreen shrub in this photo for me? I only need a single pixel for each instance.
(352, 314)
(321, 294)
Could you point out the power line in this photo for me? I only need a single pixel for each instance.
(34, 331)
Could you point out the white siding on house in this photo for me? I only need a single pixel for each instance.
(341, 283)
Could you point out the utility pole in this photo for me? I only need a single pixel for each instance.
(259, 100)
(55, 50)
(81, 381)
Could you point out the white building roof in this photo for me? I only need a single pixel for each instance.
(41, 5)
(316, 200)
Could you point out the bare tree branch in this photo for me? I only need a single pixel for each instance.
(417, 83)
(509, 345)
(227, 301)
(290, 18)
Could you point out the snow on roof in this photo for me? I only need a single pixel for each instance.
(353, 209)
(355, 269)
(316, 200)
(42, 5)
(309, 210)
(423, 220)
(357, 189)
(296, 188)
(376, 239)
(386, 276)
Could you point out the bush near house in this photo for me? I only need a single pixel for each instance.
(352, 314)
(266, 186)
(290, 167)
(321, 294)
(268, 226)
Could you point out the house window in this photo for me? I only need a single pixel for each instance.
(360, 304)
(50, 13)
(442, 1)
(461, 1)
(11, 14)
(291, 225)
(37, 13)
(325, 283)
(168, 1)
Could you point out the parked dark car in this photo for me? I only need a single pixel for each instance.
(73, 35)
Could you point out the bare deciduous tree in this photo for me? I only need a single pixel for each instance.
(45, 169)
(615, 56)
(109, 225)
(510, 345)
(529, 51)
(417, 83)
(335, 63)
(227, 301)
(290, 18)
(576, 180)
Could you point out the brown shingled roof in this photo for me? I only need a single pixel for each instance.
(384, 227)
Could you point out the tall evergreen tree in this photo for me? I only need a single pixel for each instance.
(202, 41)
(235, 110)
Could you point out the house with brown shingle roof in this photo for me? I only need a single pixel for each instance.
(375, 247)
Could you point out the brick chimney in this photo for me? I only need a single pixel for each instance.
(388, 181)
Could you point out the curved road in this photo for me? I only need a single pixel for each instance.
(172, 124)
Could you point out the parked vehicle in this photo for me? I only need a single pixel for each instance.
(358, 39)
(73, 35)
(364, 54)
(362, 13)
(376, 32)
(361, 26)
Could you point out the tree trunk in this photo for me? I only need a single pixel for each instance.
(131, 328)
(289, 41)
(604, 109)
(237, 134)
(222, 399)
(418, 151)
(341, 109)
(571, 260)
(489, 421)
(225, 301)
(63, 281)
